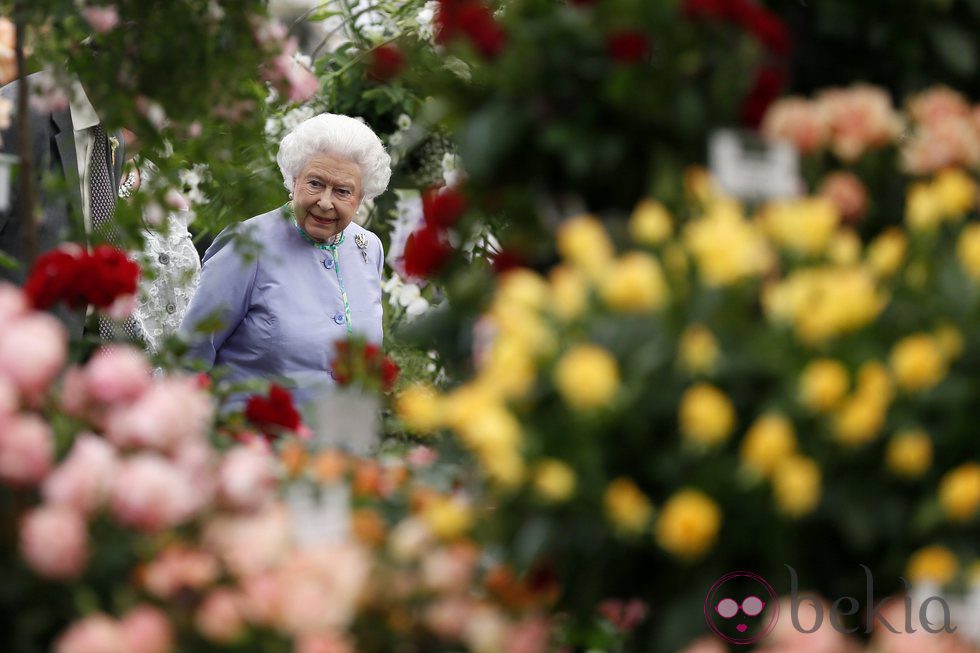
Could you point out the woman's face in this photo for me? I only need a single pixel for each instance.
(326, 195)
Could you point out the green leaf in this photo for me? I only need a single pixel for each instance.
(955, 47)
(8, 262)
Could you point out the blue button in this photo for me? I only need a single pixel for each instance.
(328, 263)
(339, 318)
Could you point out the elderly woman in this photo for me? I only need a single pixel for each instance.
(314, 277)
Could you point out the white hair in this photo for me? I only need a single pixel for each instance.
(337, 135)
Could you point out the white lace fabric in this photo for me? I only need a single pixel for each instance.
(171, 269)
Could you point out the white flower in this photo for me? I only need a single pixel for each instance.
(424, 19)
(395, 139)
(404, 122)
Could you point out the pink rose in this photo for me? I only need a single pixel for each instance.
(785, 638)
(117, 373)
(146, 629)
(102, 19)
(26, 450)
(706, 644)
(860, 118)
(449, 569)
(170, 411)
(83, 479)
(13, 303)
(54, 542)
(246, 479)
(180, 568)
(122, 307)
(219, 617)
(322, 643)
(625, 615)
(529, 636)
(937, 104)
(8, 398)
(32, 352)
(447, 617)
(74, 392)
(249, 544)
(261, 599)
(934, 146)
(422, 456)
(847, 193)
(95, 633)
(150, 493)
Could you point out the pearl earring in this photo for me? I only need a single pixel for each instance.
(290, 195)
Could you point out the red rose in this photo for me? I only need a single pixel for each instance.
(442, 207)
(769, 82)
(389, 373)
(628, 46)
(473, 19)
(273, 412)
(767, 28)
(387, 62)
(703, 8)
(505, 260)
(425, 252)
(109, 275)
(54, 278)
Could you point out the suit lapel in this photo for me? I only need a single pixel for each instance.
(65, 140)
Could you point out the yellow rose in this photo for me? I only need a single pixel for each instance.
(491, 430)
(873, 381)
(726, 247)
(886, 253)
(823, 384)
(796, 485)
(923, 207)
(917, 363)
(420, 408)
(587, 377)
(508, 369)
(554, 481)
(651, 223)
(583, 242)
(932, 564)
(569, 292)
(770, 440)
(844, 247)
(522, 288)
(968, 250)
(909, 453)
(698, 350)
(959, 492)
(859, 419)
(525, 326)
(956, 192)
(706, 415)
(447, 517)
(804, 226)
(950, 341)
(699, 187)
(627, 508)
(634, 284)
(688, 524)
(505, 467)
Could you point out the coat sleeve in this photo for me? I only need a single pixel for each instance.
(222, 298)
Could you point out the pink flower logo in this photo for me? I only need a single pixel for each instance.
(736, 607)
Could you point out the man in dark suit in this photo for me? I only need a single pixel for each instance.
(66, 145)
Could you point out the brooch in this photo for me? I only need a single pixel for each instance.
(113, 144)
(361, 241)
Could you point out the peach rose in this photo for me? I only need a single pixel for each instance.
(146, 629)
(937, 104)
(219, 617)
(54, 542)
(322, 643)
(179, 568)
(96, 633)
(798, 121)
(450, 569)
(860, 118)
(953, 142)
(83, 479)
(847, 193)
(26, 450)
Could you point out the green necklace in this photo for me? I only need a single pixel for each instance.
(329, 247)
